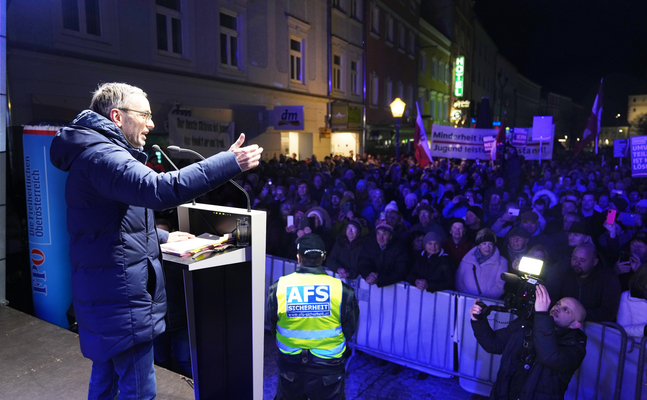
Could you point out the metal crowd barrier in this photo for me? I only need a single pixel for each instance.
(429, 331)
(634, 380)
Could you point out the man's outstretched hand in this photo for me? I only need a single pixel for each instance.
(542, 299)
(248, 157)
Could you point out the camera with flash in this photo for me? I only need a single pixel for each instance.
(521, 299)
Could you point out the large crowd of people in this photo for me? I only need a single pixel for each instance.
(457, 225)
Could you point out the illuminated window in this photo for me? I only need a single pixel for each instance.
(389, 28)
(296, 60)
(375, 20)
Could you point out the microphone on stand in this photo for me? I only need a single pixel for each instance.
(176, 149)
(157, 148)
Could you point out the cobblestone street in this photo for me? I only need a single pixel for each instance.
(370, 379)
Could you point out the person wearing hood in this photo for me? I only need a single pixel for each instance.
(117, 281)
(480, 270)
(432, 270)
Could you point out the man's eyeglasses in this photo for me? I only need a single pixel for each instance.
(147, 115)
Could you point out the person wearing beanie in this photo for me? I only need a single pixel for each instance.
(479, 273)
(361, 193)
(432, 269)
(427, 221)
(458, 244)
(384, 259)
(474, 220)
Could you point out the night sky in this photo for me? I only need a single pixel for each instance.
(568, 45)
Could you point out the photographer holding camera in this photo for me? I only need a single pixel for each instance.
(539, 355)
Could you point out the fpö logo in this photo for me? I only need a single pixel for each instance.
(38, 279)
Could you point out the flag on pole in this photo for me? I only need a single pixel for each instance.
(592, 129)
(500, 139)
(423, 153)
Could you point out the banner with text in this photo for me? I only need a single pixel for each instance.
(49, 241)
(639, 156)
(469, 143)
(204, 136)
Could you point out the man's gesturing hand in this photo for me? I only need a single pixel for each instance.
(248, 157)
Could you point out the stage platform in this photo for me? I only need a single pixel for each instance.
(40, 361)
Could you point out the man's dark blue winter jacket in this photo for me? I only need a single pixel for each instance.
(117, 281)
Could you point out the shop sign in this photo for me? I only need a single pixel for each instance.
(287, 118)
(459, 74)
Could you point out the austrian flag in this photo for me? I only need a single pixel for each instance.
(423, 153)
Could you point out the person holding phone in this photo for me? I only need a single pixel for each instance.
(629, 261)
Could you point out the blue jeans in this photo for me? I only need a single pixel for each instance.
(129, 373)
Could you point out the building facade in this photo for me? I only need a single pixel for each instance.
(347, 61)
(527, 102)
(230, 61)
(434, 75)
(484, 73)
(391, 70)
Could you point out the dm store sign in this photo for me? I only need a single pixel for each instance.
(308, 301)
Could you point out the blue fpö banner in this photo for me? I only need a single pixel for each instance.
(47, 227)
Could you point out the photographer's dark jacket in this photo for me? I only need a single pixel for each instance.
(117, 282)
(390, 263)
(559, 353)
(435, 269)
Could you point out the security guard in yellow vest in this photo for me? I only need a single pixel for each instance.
(312, 315)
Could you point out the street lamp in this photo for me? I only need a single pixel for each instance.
(397, 109)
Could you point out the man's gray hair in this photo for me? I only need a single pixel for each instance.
(112, 95)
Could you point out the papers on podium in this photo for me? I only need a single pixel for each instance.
(193, 246)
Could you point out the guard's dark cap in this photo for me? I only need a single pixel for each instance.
(311, 245)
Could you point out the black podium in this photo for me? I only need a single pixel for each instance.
(224, 297)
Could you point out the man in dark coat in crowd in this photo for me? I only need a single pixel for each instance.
(432, 270)
(539, 356)
(597, 288)
(385, 260)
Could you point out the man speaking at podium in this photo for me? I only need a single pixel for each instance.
(312, 315)
(117, 282)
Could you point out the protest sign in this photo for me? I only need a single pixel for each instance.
(204, 136)
(470, 144)
(488, 142)
(620, 148)
(542, 129)
(519, 137)
(639, 156)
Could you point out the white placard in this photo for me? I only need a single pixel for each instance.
(542, 129)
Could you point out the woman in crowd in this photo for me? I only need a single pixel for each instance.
(432, 269)
(344, 257)
(480, 271)
(632, 315)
